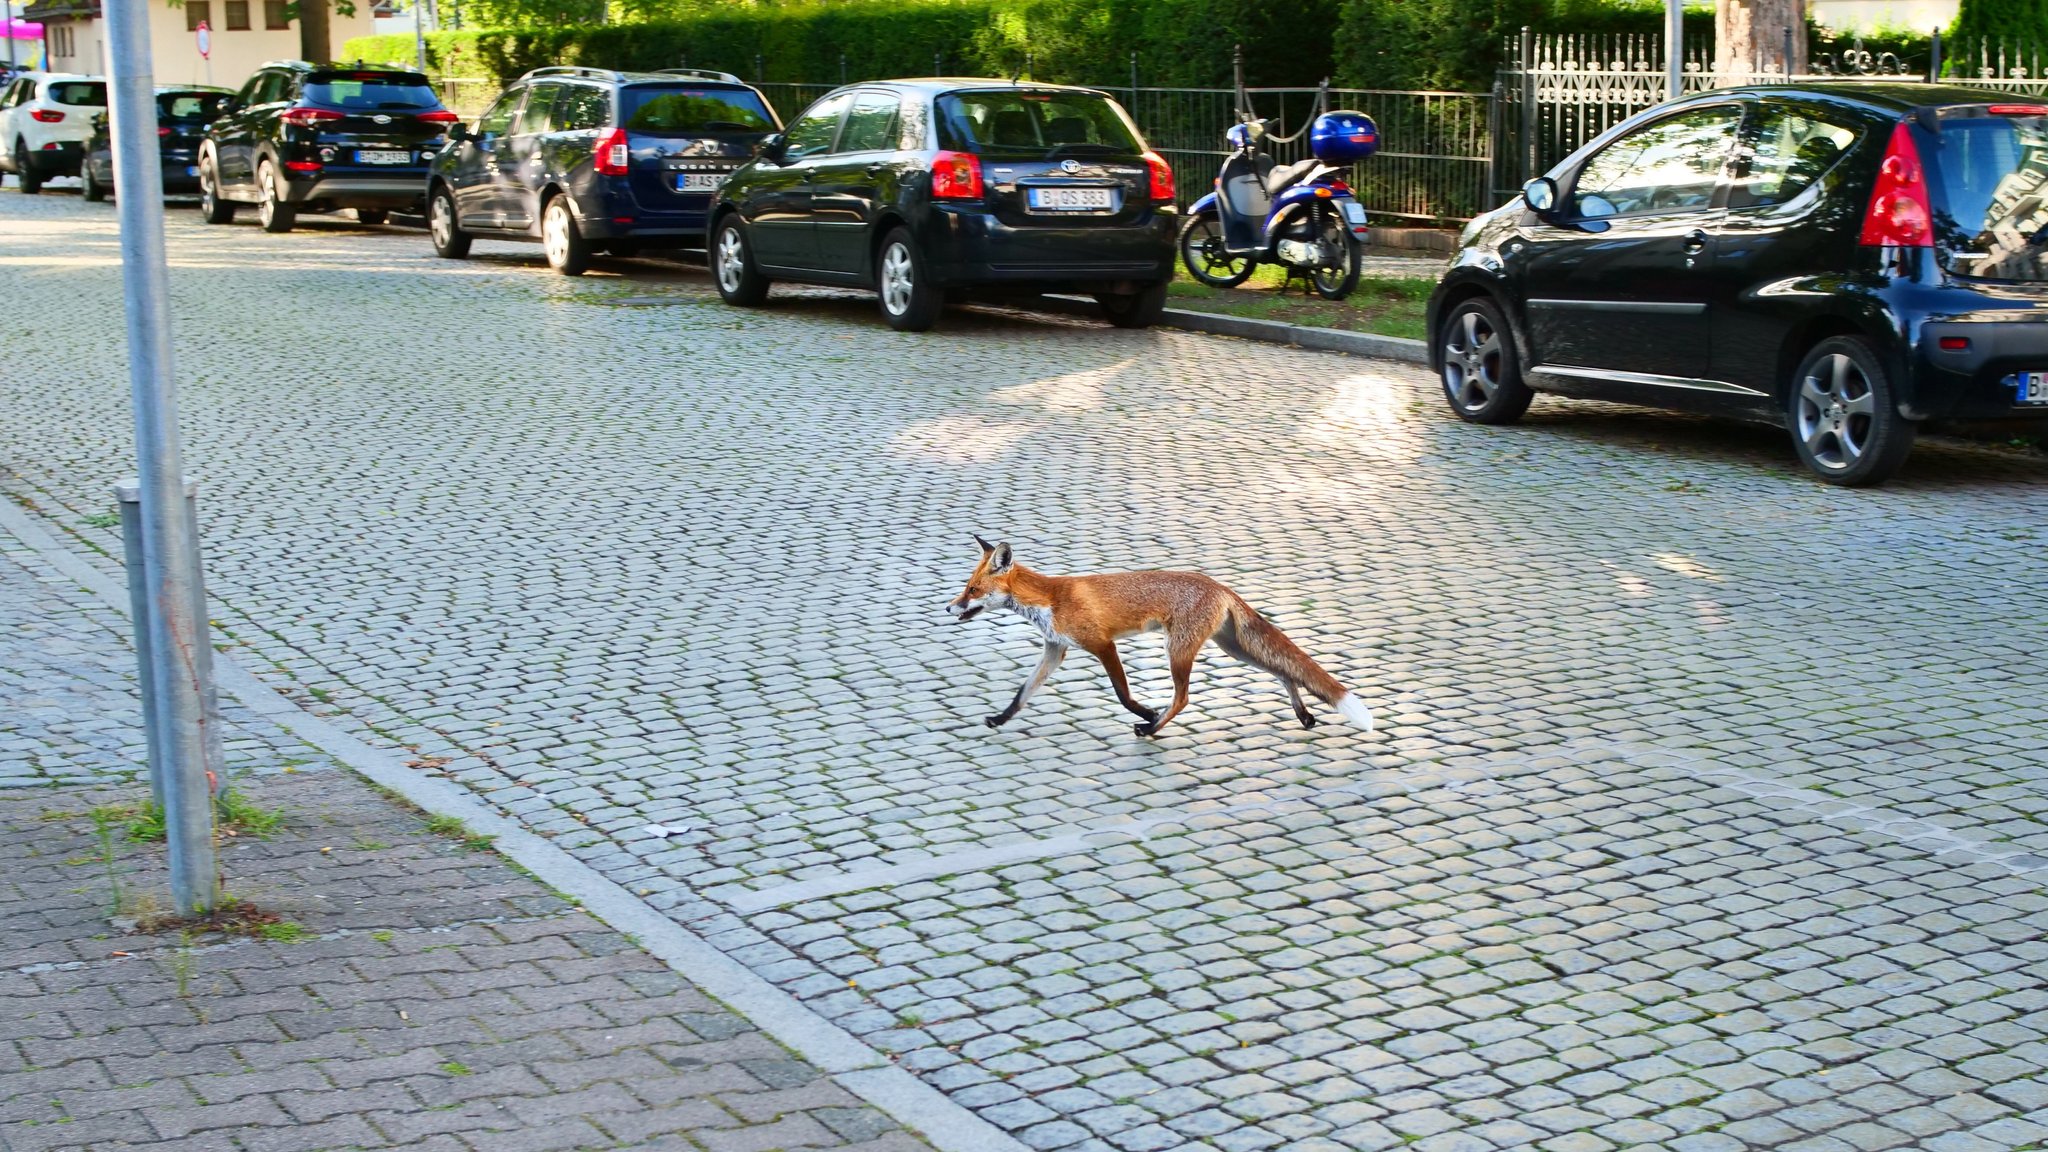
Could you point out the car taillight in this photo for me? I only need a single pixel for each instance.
(162, 131)
(47, 116)
(439, 116)
(303, 165)
(1955, 343)
(956, 176)
(1899, 213)
(1162, 176)
(614, 154)
(308, 117)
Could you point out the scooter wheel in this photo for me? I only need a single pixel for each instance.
(1201, 249)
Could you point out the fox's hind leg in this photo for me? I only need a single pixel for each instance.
(1181, 649)
(1226, 639)
(1115, 667)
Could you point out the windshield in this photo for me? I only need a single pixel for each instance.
(372, 91)
(1036, 124)
(82, 93)
(1990, 179)
(685, 111)
(190, 107)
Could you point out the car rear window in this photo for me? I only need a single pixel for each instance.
(665, 111)
(1036, 124)
(373, 91)
(83, 93)
(1990, 180)
(190, 107)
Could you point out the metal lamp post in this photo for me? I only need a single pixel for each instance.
(179, 672)
(1674, 49)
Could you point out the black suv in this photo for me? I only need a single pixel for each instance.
(1846, 260)
(583, 158)
(305, 137)
(925, 189)
(182, 115)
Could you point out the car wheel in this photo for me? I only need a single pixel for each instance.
(450, 241)
(732, 266)
(1844, 416)
(1140, 309)
(89, 185)
(909, 302)
(1201, 249)
(212, 208)
(271, 211)
(372, 216)
(31, 180)
(568, 252)
(1481, 376)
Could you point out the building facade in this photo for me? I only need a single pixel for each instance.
(243, 35)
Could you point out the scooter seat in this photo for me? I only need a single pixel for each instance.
(1287, 175)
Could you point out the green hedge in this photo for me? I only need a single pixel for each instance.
(1178, 42)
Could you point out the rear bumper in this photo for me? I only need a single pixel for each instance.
(1977, 382)
(402, 189)
(62, 160)
(967, 245)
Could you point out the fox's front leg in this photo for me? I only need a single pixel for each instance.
(1054, 653)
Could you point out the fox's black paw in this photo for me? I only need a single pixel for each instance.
(1309, 721)
(1145, 729)
(995, 721)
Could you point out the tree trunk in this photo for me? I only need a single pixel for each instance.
(1749, 37)
(313, 38)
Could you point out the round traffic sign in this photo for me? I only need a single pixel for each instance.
(205, 40)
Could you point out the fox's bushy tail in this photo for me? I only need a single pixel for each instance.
(1269, 648)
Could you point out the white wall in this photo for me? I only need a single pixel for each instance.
(1868, 15)
(235, 54)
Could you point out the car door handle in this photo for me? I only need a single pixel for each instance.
(1695, 241)
(875, 169)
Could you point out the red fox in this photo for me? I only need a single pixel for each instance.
(1093, 612)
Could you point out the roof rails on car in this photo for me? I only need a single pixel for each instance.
(702, 74)
(575, 70)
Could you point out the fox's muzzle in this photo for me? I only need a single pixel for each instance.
(962, 613)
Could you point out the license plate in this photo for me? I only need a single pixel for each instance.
(1071, 199)
(2031, 388)
(699, 181)
(382, 156)
(1353, 211)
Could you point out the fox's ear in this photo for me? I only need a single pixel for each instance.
(986, 547)
(999, 562)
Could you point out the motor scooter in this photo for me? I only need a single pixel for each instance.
(1302, 216)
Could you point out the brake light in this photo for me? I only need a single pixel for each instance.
(614, 154)
(308, 117)
(1162, 176)
(1899, 213)
(163, 131)
(439, 116)
(2019, 109)
(1955, 343)
(956, 176)
(1339, 186)
(47, 116)
(303, 165)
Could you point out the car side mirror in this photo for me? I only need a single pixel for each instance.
(772, 146)
(230, 106)
(460, 132)
(1540, 195)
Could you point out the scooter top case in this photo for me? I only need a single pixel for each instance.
(1243, 202)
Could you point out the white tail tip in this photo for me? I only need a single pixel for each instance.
(1354, 711)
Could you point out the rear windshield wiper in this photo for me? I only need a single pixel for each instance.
(1069, 149)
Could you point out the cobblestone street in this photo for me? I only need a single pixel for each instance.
(1708, 808)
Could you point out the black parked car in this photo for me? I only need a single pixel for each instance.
(925, 189)
(182, 115)
(583, 158)
(1846, 260)
(303, 137)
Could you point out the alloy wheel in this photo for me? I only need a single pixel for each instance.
(266, 208)
(439, 220)
(1472, 362)
(1837, 412)
(898, 279)
(554, 232)
(732, 259)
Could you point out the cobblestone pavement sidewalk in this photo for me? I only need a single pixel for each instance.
(1706, 810)
(415, 991)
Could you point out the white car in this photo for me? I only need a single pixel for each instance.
(45, 121)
